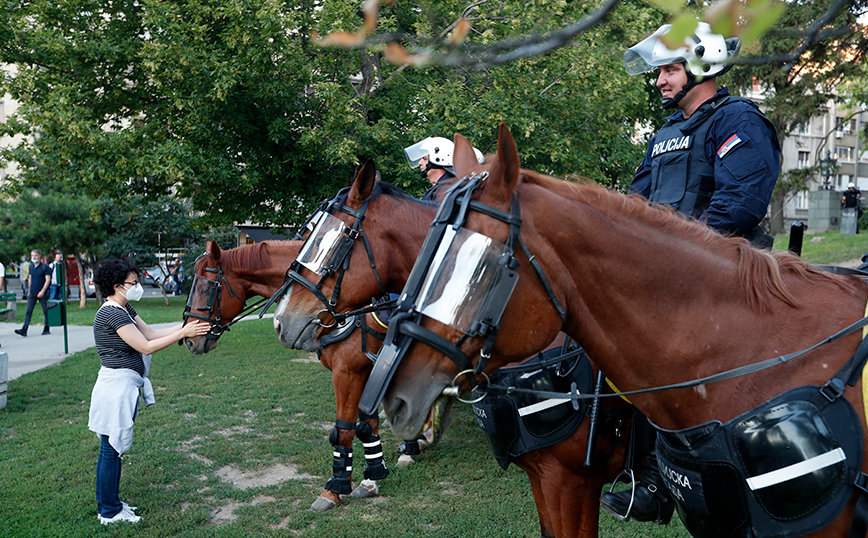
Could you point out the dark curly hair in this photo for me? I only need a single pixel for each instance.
(113, 272)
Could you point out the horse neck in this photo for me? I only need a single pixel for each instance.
(260, 273)
(396, 229)
(656, 302)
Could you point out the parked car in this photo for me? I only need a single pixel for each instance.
(152, 276)
(89, 286)
(156, 277)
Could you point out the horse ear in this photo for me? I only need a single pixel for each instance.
(505, 166)
(464, 158)
(363, 185)
(213, 249)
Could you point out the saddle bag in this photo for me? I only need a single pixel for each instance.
(783, 469)
(517, 424)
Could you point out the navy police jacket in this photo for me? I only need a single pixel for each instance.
(720, 165)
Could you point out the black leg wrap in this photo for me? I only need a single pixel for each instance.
(410, 448)
(342, 469)
(375, 466)
(364, 431)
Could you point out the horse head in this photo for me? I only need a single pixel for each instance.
(452, 301)
(360, 246)
(223, 281)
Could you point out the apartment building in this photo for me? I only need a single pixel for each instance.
(832, 134)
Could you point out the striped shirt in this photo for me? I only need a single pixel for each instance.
(113, 351)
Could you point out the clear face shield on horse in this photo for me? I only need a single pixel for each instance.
(462, 279)
(326, 252)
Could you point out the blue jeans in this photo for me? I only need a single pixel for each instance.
(54, 292)
(108, 479)
(31, 302)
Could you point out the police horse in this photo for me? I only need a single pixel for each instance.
(223, 283)
(749, 363)
(363, 244)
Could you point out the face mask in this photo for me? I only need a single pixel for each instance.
(135, 293)
(34, 260)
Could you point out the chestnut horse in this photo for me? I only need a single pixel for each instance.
(656, 300)
(565, 492)
(258, 270)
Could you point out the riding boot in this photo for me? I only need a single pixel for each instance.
(651, 501)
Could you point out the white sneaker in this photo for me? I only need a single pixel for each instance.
(123, 515)
(127, 507)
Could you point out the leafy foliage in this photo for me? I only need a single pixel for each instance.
(230, 105)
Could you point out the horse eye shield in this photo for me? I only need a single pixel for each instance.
(327, 245)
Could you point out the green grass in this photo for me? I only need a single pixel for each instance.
(828, 248)
(151, 309)
(249, 406)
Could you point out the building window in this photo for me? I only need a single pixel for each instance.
(802, 200)
(845, 153)
(850, 126)
(804, 127)
(804, 159)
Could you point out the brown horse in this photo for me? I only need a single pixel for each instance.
(656, 300)
(258, 270)
(565, 492)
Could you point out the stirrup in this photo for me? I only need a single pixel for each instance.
(629, 474)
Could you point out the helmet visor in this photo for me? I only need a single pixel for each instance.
(415, 153)
(651, 53)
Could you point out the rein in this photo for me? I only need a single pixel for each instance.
(831, 390)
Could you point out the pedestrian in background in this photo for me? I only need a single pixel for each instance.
(37, 290)
(54, 289)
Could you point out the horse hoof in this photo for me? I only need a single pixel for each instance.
(321, 504)
(405, 460)
(367, 489)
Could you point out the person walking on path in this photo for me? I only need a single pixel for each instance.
(40, 279)
(54, 289)
(124, 343)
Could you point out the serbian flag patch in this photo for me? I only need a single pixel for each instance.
(733, 141)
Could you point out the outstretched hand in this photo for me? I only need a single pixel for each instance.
(196, 328)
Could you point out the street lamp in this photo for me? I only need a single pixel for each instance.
(827, 168)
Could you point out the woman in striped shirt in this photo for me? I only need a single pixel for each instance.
(124, 343)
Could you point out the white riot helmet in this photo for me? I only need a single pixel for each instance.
(439, 151)
(704, 55)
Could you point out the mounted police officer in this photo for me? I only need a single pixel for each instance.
(433, 157)
(717, 159)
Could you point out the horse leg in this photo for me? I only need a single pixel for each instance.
(341, 438)
(367, 431)
(545, 523)
(573, 498)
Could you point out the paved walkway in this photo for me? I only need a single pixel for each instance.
(35, 351)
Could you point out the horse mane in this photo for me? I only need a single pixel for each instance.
(388, 189)
(760, 272)
(255, 255)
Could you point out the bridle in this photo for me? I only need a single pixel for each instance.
(501, 279)
(213, 291)
(335, 260)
